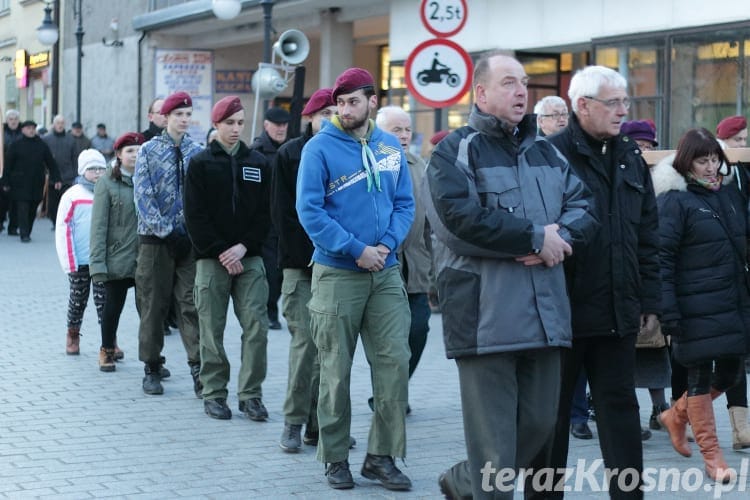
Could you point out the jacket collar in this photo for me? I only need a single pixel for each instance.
(495, 127)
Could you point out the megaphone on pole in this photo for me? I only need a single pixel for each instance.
(292, 47)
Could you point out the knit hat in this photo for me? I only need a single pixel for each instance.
(129, 139)
(352, 79)
(225, 108)
(90, 158)
(174, 101)
(320, 99)
(729, 127)
(639, 130)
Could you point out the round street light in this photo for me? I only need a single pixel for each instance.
(47, 33)
(226, 9)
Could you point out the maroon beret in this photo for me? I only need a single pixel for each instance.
(729, 127)
(439, 136)
(129, 139)
(225, 108)
(639, 130)
(174, 101)
(321, 98)
(352, 79)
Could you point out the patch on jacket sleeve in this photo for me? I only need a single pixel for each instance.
(251, 174)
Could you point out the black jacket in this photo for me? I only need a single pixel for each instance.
(152, 131)
(27, 161)
(227, 200)
(265, 146)
(295, 247)
(615, 278)
(10, 136)
(705, 297)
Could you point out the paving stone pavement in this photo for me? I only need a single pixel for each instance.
(68, 430)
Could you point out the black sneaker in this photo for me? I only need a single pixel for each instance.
(382, 468)
(290, 438)
(152, 382)
(653, 423)
(339, 476)
(217, 408)
(254, 409)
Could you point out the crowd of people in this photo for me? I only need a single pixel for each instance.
(561, 260)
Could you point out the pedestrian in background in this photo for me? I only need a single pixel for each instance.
(227, 217)
(63, 147)
(551, 115)
(166, 265)
(73, 240)
(114, 242)
(103, 142)
(354, 199)
(80, 141)
(703, 224)
(11, 133)
(157, 122)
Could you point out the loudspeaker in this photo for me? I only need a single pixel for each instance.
(292, 46)
(267, 83)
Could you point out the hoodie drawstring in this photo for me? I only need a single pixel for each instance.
(371, 166)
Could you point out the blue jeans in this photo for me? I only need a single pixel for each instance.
(579, 411)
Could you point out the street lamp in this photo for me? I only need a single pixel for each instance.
(78, 13)
(226, 9)
(47, 33)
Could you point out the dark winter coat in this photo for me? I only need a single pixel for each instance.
(227, 200)
(295, 247)
(706, 303)
(10, 136)
(63, 149)
(613, 279)
(27, 162)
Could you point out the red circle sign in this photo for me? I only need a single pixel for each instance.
(438, 72)
(443, 18)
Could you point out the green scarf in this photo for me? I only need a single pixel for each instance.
(369, 162)
(710, 185)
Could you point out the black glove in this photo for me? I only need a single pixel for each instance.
(178, 245)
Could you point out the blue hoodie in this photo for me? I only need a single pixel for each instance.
(339, 209)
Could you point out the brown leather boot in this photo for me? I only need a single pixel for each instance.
(119, 354)
(106, 359)
(72, 343)
(675, 420)
(701, 413)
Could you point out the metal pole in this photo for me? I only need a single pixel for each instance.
(56, 65)
(79, 41)
(267, 28)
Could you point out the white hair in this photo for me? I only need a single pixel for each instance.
(589, 81)
(12, 113)
(548, 102)
(386, 112)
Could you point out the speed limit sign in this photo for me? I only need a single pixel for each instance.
(443, 18)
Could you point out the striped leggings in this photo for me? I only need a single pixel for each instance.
(80, 286)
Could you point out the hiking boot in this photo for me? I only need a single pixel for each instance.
(382, 468)
(195, 371)
(106, 359)
(163, 371)
(152, 381)
(290, 438)
(217, 408)
(119, 354)
(72, 344)
(339, 476)
(254, 409)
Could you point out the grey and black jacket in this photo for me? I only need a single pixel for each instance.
(489, 194)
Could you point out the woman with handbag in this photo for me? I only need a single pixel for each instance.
(703, 226)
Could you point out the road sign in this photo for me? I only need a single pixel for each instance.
(443, 18)
(438, 72)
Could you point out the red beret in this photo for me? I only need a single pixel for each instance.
(321, 98)
(174, 101)
(129, 139)
(729, 127)
(352, 79)
(225, 108)
(439, 136)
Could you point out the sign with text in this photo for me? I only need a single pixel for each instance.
(190, 71)
(233, 81)
(438, 72)
(443, 18)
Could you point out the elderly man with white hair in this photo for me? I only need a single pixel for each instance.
(551, 115)
(11, 133)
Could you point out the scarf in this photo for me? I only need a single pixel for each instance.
(85, 183)
(711, 185)
(369, 162)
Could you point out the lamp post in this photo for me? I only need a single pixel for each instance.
(79, 42)
(48, 34)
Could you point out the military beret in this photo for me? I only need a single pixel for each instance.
(729, 127)
(639, 130)
(321, 98)
(225, 108)
(174, 101)
(439, 136)
(277, 115)
(90, 158)
(129, 139)
(352, 79)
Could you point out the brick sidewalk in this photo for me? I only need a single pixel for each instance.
(68, 430)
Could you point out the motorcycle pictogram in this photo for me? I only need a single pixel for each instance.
(438, 73)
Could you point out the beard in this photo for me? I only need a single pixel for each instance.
(354, 122)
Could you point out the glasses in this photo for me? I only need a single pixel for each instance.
(611, 103)
(556, 116)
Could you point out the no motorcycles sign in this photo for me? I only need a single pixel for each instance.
(438, 72)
